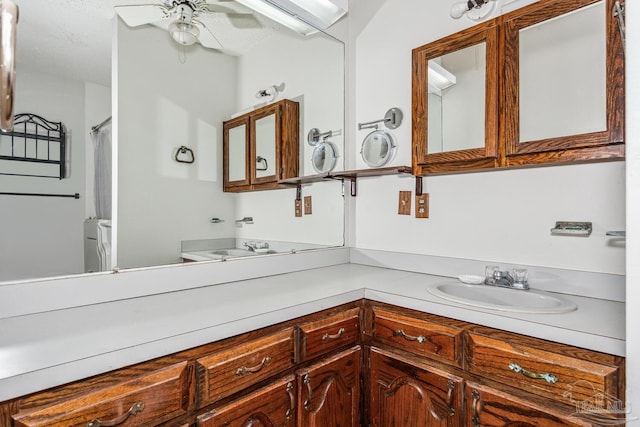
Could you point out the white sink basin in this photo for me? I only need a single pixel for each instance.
(503, 299)
(232, 252)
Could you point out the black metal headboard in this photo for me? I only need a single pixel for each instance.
(37, 140)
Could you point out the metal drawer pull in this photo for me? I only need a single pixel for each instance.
(137, 407)
(292, 399)
(475, 408)
(450, 386)
(327, 337)
(244, 370)
(420, 338)
(550, 378)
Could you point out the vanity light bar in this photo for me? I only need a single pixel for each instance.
(304, 16)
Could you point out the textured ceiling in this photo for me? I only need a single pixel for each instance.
(73, 38)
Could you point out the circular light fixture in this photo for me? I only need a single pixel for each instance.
(184, 33)
(182, 29)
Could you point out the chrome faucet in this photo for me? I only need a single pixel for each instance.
(256, 246)
(504, 280)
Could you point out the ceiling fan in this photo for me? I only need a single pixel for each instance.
(184, 18)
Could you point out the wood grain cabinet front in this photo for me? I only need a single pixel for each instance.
(486, 406)
(329, 334)
(329, 391)
(560, 372)
(270, 406)
(404, 393)
(226, 372)
(150, 399)
(428, 336)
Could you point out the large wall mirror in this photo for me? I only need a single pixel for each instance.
(455, 100)
(163, 96)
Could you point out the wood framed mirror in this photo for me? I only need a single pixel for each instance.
(563, 92)
(455, 102)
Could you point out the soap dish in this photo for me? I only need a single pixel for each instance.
(471, 279)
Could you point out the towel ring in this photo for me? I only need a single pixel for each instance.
(185, 150)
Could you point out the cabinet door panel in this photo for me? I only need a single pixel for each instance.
(236, 152)
(579, 113)
(405, 394)
(271, 406)
(329, 391)
(266, 132)
(490, 407)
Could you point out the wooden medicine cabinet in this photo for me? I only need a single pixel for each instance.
(553, 90)
(455, 101)
(261, 147)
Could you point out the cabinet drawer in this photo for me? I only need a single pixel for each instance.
(564, 373)
(274, 404)
(229, 371)
(326, 335)
(157, 396)
(428, 337)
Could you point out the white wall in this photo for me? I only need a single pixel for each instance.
(164, 104)
(313, 75)
(42, 236)
(502, 216)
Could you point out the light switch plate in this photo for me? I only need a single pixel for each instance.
(307, 205)
(298, 208)
(422, 206)
(404, 203)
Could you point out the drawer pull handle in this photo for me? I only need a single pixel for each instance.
(327, 337)
(475, 406)
(244, 370)
(420, 338)
(292, 399)
(450, 386)
(550, 378)
(137, 407)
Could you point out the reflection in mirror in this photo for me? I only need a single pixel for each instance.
(164, 96)
(237, 153)
(563, 75)
(265, 137)
(456, 100)
(324, 157)
(378, 148)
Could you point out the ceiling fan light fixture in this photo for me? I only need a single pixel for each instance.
(184, 33)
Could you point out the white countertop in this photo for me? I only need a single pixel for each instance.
(41, 350)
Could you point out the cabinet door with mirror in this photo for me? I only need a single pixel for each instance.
(236, 150)
(455, 101)
(261, 147)
(563, 82)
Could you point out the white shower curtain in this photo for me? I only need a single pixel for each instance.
(102, 163)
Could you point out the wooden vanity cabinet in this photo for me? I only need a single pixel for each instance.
(379, 365)
(261, 147)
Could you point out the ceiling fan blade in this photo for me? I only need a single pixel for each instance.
(208, 39)
(228, 6)
(135, 15)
